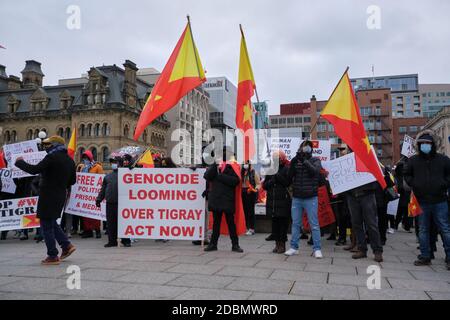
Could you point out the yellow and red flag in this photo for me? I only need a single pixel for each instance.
(342, 112)
(72, 146)
(414, 208)
(244, 107)
(182, 73)
(30, 221)
(147, 160)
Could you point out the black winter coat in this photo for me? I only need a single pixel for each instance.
(57, 175)
(305, 176)
(279, 201)
(222, 193)
(110, 188)
(429, 177)
(403, 189)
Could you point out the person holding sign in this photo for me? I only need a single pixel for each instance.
(224, 197)
(304, 173)
(58, 174)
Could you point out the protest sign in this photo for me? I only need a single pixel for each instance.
(161, 204)
(343, 175)
(19, 148)
(8, 185)
(30, 158)
(83, 195)
(260, 209)
(18, 214)
(408, 148)
(324, 210)
(290, 146)
(393, 207)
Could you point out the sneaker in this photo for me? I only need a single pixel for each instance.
(318, 254)
(391, 231)
(237, 249)
(422, 262)
(49, 261)
(248, 233)
(378, 257)
(66, 253)
(270, 238)
(359, 255)
(210, 248)
(291, 252)
(110, 245)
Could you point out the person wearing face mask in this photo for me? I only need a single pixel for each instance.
(428, 175)
(89, 165)
(110, 193)
(58, 174)
(250, 184)
(304, 173)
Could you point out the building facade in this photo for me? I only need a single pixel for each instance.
(223, 99)
(294, 119)
(402, 127)
(104, 106)
(261, 116)
(440, 124)
(434, 97)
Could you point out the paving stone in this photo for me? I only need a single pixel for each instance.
(264, 256)
(7, 280)
(202, 281)
(34, 285)
(245, 272)
(190, 259)
(355, 263)
(391, 294)
(234, 262)
(53, 272)
(331, 269)
(278, 296)
(388, 273)
(94, 289)
(213, 294)
(28, 296)
(436, 295)
(300, 276)
(404, 266)
(420, 285)
(261, 285)
(325, 290)
(284, 265)
(354, 280)
(141, 277)
(432, 276)
(148, 292)
(154, 266)
(196, 269)
(102, 274)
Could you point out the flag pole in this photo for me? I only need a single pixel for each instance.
(335, 88)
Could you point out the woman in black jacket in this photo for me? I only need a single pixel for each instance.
(278, 204)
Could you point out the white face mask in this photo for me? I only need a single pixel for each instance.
(246, 166)
(307, 149)
(114, 166)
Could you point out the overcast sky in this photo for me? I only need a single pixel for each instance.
(297, 48)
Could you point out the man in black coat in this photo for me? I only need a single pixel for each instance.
(428, 174)
(223, 182)
(58, 174)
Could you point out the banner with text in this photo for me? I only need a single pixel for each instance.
(18, 214)
(8, 185)
(31, 158)
(161, 204)
(29, 146)
(343, 175)
(290, 146)
(83, 195)
(408, 148)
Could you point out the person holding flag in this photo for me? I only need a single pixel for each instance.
(428, 174)
(342, 111)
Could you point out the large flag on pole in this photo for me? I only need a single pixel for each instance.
(342, 112)
(72, 146)
(182, 73)
(147, 160)
(244, 107)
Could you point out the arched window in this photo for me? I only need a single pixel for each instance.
(105, 154)
(89, 130)
(97, 129)
(14, 136)
(36, 134)
(82, 130)
(94, 153)
(30, 134)
(80, 152)
(68, 133)
(7, 137)
(126, 131)
(105, 129)
(61, 132)
(145, 136)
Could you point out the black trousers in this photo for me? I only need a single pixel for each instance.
(340, 209)
(382, 221)
(231, 228)
(112, 211)
(248, 202)
(363, 211)
(402, 216)
(280, 226)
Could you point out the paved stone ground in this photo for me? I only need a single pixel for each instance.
(179, 270)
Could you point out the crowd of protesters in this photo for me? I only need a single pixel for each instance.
(292, 191)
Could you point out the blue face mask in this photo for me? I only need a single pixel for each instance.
(425, 148)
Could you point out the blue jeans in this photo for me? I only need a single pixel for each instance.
(310, 205)
(51, 231)
(439, 213)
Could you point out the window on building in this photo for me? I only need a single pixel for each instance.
(68, 133)
(105, 154)
(94, 153)
(97, 129)
(61, 132)
(30, 134)
(82, 130)
(413, 129)
(402, 129)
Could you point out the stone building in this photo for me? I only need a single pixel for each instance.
(440, 124)
(104, 106)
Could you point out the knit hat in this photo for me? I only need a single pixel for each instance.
(425, 138)
(54, 140)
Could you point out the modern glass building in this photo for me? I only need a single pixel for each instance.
(222, 97)
(434, 97)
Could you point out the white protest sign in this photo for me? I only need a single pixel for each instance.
(290, 146)
(83, 195)
(392, 207)
(408, 148)
(16, 214)
(19, 148)
(161, 204)
(343, 175)
(8, 184)
(31, 158)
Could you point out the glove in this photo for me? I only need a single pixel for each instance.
(98, 204)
